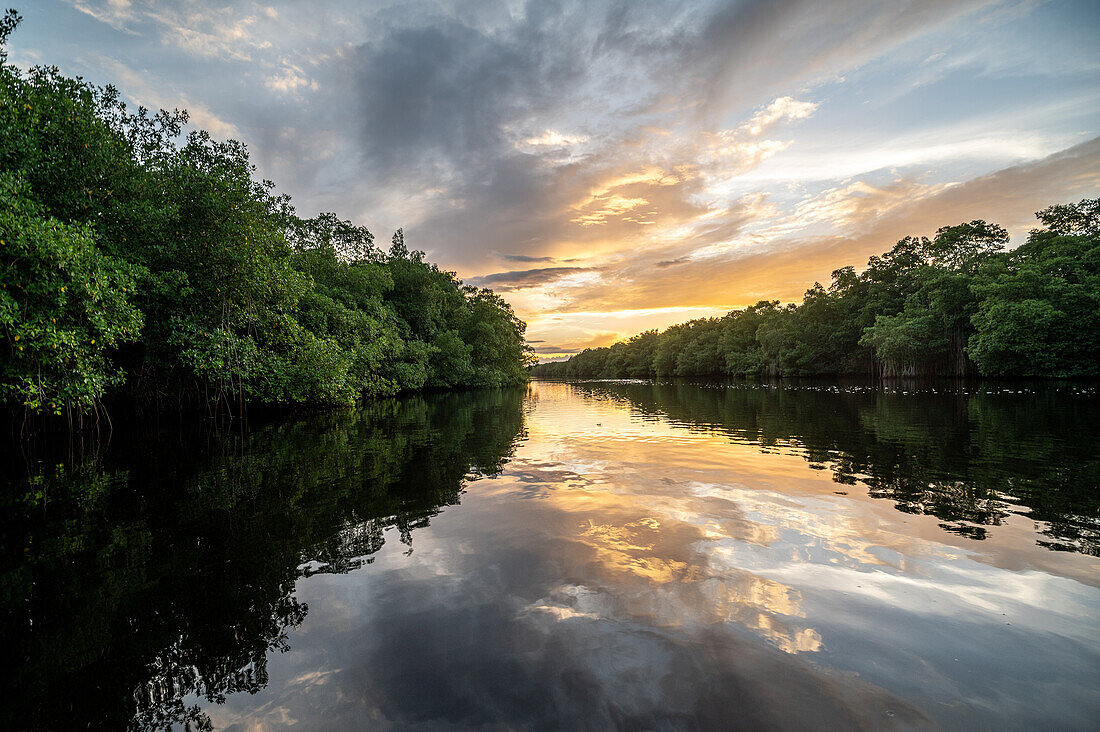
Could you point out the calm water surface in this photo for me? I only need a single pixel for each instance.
(570, 556)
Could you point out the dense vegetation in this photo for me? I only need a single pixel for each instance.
(956, 304)
(136, 261)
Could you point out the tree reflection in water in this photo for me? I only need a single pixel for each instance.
(140, 576)
(163, 563)
(968, 455)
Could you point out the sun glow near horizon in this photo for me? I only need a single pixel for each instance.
(610, 169)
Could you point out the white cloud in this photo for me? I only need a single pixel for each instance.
(115, 13)
(215, 32)
(783, 108)
(137, 89)
(290, 80)
(554, 138)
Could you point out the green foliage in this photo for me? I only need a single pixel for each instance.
(1040, 309)
(913, 336)
(947, 306)
(63, 305)
(195, 281)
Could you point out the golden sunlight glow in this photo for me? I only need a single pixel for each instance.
(687, 525)
(554, 138)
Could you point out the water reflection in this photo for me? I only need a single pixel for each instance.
(164, 565)
(637, 556)
(971, 456)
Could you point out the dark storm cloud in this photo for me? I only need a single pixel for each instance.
(444, 92)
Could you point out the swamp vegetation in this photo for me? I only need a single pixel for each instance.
(142, 264)
(957, 304)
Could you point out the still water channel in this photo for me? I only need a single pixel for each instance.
(591, 555)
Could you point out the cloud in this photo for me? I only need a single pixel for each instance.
(137, 89)
(672, 262)
(555, 139)
(223, 31)
(524, 258)
(289, 80)
(446, 102)
(556, 350)
(525, 278)
(870, 219)
(115, 13)
(783, 108)
(652, 155)
(445, 92)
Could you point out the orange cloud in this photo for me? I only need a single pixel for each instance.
(779, 260)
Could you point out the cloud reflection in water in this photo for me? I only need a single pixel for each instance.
(631, 568)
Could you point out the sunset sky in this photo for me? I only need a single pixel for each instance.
(610, 167)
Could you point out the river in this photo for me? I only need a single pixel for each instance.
(594, 555)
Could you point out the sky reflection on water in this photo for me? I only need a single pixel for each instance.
(633, 568)
(573, 556)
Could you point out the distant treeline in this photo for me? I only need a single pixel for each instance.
(953, 305)
(132, 264)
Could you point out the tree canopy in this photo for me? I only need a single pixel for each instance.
(137, 260)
